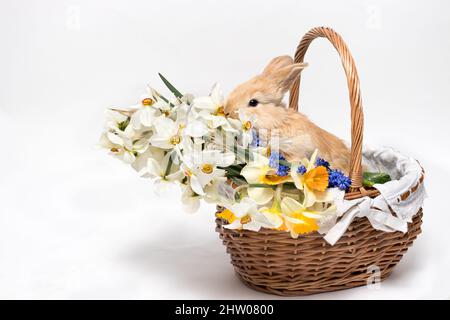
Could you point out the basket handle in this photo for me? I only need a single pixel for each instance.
(357, 117)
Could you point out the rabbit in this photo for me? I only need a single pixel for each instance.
(262, 96)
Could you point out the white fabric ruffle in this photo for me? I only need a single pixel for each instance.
(406, 173)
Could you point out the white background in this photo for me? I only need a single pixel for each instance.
(75, 223)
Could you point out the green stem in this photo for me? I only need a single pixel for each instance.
(260, 185)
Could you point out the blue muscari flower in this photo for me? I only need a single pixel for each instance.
(274, 159)
(337, 178)
(301, 169)
(282, 170)
(256, 142)
(322, 162)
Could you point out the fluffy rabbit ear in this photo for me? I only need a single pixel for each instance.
(285, 77)
(276, 64)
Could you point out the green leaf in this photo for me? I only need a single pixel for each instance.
(233, 170)
(238, 181)
(371, 178)
(165, 99)
(172, 89)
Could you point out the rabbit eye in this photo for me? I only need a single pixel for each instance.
(253, 103)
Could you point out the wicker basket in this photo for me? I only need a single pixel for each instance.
(273, 262)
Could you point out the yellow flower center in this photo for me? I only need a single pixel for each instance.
(207, 168)
(246, 219)
(220, 111)
(166, 113)
(147, 102)
(226, 215)
(247, 125)
(115, 150)
(317, 178)
(175, 140)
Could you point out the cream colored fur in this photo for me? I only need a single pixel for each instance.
(268, 89)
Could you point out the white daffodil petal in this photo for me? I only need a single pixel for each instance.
(297, 177)
(196, 186)
(196, 129)
(176, 176)
(243, 208)
(216, 94)
(324, 196)
(225, 159)
(218, 121)
(162, 142)
(289, 205)
(261, 195)
(313, 215)
(147, 116)
(165, 126)
(128, 157)
(135, 120)
(114, 138)
(236, 224)
(105, 142)
(252, 226)
(310, 197)
(154, 168)
(204, 178)
(294, 220)
(191, 204)
(204, 103)
(251, 173)
(247, 138)
(272, 220)
(312, 161)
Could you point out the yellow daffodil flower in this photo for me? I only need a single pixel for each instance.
(226, 215)
(314, 182)
(259, 172)
(297, 218)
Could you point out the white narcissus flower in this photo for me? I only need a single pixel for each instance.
(123, 148)
(168, 133)
(118, 119)
(121, 139)
(211, 108)
(219, 192)
(245, 215)
(201, 167)
(161, 168)
(189, 199)
(245, 126)
(212, 103)
(188, 118)
(144, 111)
(258, 172)
(140, 164)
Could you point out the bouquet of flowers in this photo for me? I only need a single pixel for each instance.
(188, 141)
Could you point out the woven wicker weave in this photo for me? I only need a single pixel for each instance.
(273, 262)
